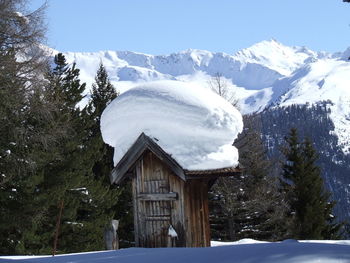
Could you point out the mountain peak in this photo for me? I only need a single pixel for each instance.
(276, 56)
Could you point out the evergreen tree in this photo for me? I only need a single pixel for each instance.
(309, 201)
(20, 34)
(102, 94)
(118, 205)
(251, 204)
(313, 122)
(62, 166)
(69, 166)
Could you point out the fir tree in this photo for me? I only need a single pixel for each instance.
(20, 34)
(102, 94)
(118, 204)
(309, 201)
(63, 167)
(251, 204)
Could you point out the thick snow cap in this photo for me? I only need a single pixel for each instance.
(192, 124)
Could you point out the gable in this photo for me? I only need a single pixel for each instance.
(136, 151)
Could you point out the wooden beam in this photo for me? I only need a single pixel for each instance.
(158, 197)
(157, 218)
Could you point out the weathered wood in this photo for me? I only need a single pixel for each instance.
(153, 201)
(135, 152)
(136, 212)
(177, 215)
(157, 197)
(162, 199)
(197, 216)
(157, 218)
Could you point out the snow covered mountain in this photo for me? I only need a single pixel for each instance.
(267, 73)
(321, 80)
(257, 67)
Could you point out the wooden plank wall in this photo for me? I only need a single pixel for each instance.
(197, 213)
(155, 207)
(177, 185)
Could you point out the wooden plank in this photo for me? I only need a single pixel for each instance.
(157, 197)
(157, 218)
(206, 213)
(157, 223)
(141, 205)
(147, 205)
(152, 204)
(177, 219)
(196, 209)
(136, 211)
(202, 240)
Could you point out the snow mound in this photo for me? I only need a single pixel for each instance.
(192, 124)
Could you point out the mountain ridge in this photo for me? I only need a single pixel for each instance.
(266, 74)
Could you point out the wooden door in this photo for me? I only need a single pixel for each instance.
(153, 204)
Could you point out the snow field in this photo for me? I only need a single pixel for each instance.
(243, 251)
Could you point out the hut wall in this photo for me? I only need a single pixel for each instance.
(158, 203)
(197, 213)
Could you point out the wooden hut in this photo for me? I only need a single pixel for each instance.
(170, 203)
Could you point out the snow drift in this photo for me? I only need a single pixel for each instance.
(193, 124)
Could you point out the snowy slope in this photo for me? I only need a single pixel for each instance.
(289, 251)
(326, 79)
(267, 73)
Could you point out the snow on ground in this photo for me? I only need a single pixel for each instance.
(243, 251)
(193, 124)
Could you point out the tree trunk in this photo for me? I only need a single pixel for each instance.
(231, 228)
(61, 204)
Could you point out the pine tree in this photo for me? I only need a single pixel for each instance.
(102, 94)
(251, 203)
(310, 208)
(20, 34)
(118, 204)
(63, 167)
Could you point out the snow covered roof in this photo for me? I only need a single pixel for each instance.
(193, 125)
(144, 143)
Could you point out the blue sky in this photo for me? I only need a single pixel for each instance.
(166, 26)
